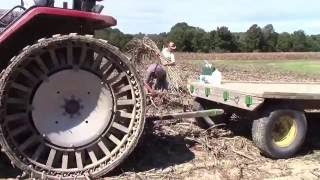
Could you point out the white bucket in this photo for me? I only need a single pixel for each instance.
(214, 79)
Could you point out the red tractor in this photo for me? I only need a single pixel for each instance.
(72, 106)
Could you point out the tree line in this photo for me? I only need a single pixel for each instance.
(195, 39)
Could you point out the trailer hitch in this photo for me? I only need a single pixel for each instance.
(205, 114)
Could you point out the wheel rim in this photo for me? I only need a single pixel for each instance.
(73, 109)
(73, 115)
(284, 131)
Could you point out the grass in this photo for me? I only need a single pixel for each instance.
(307, 67)
(298, 66)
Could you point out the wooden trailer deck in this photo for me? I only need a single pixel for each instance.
(249, 95)
(276, 90)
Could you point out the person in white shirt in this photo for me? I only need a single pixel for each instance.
(167, 52)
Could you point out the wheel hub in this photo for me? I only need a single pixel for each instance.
(62, 117)
(284, 131)
(72, 107)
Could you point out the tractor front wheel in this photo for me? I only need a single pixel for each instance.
(71, 107)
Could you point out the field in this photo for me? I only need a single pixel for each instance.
(178, 149)
(249, 56)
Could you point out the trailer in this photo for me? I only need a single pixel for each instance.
(278, 110)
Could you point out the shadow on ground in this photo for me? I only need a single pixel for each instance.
(153, 152)
(313, 136)
(157, 152)
(162, 151)
(6, 170)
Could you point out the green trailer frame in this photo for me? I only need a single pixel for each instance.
(252, 95)
(279, 127)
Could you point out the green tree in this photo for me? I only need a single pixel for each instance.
(200, 40)
(212, 35)
(225, 41)
(114, 37)
(206, 43)
(299, 41)
(189, 38)
(284, 43)
(253, 39)
(240, 40)
(182, 35)
(270, 38)
(313, 43)
(195, 39)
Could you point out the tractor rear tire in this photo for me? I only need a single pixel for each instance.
(72, 107)
(281, 134)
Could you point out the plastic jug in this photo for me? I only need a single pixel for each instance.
(210, 75)
(207, 69)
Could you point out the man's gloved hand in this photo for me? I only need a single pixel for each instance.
(149, 90)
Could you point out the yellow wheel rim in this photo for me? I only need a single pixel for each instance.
(284, 131)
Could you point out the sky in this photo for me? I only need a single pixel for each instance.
(154, 16)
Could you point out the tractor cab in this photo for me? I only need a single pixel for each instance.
(9, 16)
(29, 22)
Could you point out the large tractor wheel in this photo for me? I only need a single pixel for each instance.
(71, 107)
(281, 134)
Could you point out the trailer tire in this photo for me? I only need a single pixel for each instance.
(281, 134)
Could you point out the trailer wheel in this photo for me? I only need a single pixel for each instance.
(281, 134)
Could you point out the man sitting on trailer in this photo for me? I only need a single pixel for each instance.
(157, 73)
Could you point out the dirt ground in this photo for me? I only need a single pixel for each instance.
(179, 149)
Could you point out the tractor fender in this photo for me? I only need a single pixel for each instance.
(42, 22)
